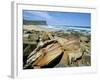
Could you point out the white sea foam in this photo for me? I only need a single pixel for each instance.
(69, 27)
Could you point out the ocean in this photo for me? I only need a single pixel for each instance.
(64, 27)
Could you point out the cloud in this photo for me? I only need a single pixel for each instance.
(42, 14)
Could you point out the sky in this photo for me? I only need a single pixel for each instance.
(59, 18)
